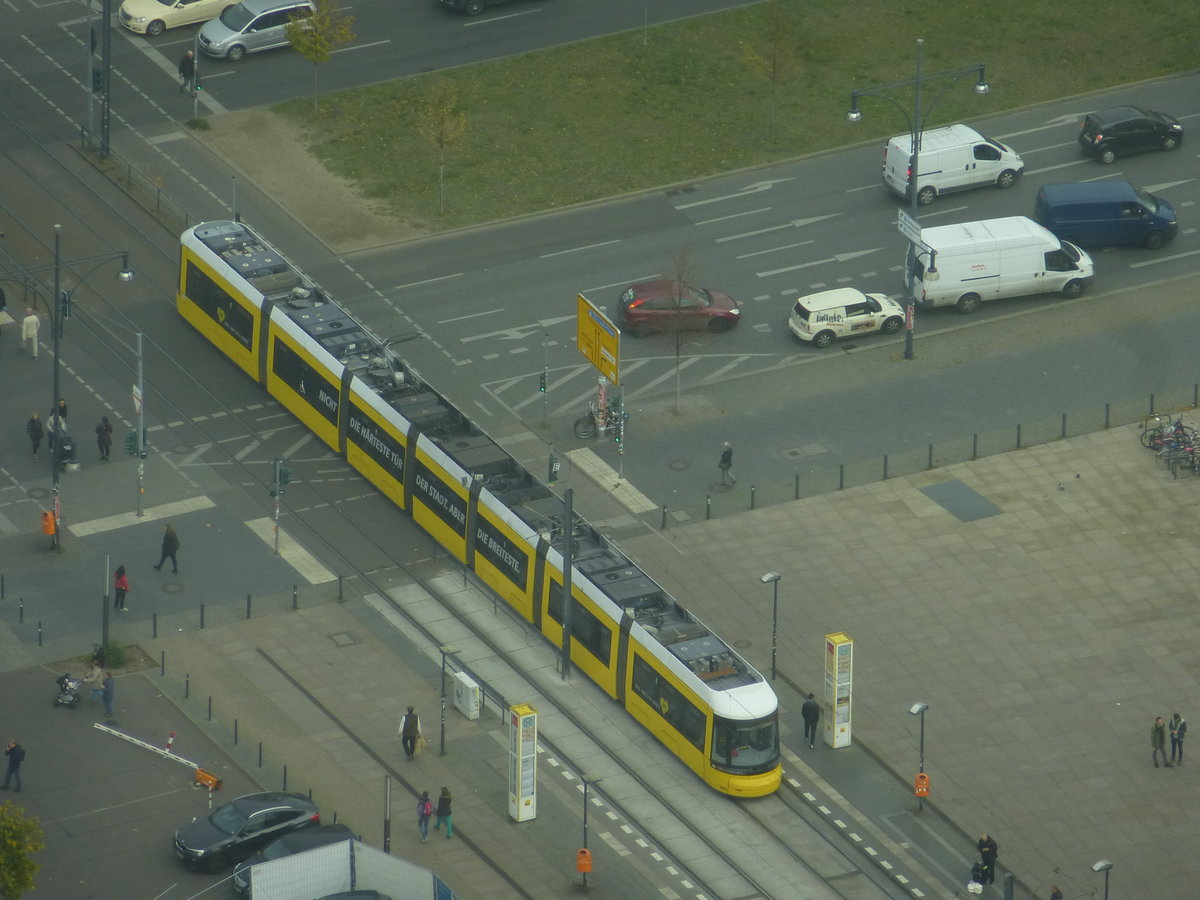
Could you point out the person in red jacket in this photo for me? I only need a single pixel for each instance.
(120, 588)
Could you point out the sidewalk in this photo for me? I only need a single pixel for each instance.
(1041, 602)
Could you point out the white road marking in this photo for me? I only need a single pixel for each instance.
(471, 316)
(291, 552)
(579, 249)
(153, 513)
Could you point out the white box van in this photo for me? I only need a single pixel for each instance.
(962, 265)
(954, 158)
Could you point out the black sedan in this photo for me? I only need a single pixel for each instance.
(242, 827)
(1124, 130)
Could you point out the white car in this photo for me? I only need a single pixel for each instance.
(153, 17)
(823, 318)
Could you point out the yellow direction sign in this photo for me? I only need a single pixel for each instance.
(599, 339)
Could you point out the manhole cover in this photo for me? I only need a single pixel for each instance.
(38, 493)
(679, 465)
(343, 639)
(743, 644)
(173, 587)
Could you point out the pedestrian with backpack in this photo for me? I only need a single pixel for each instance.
(424, 811)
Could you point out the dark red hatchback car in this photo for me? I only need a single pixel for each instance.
(667, 305)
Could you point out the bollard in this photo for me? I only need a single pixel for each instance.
(664, 518)
(707, 507)
(235, 732)
(285, 776)
(162, 663)
(752, 496)
(1064, 428)
(247, 606)
(796, 486)
(2, 574)
(334, 812)
(295, 597)
(842, 477)
(1107, 410)
(1009, 880)
(975, 446)
(1018, 435)
(1151, 404)
(39, 632)
(21, 611)
(210, 707)
(930, 465)
(154, 625)
(260, 754)
(1195, 403)
(187, 685)
(885, 465)
(201, 616)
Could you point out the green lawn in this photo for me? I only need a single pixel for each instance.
(685, 100)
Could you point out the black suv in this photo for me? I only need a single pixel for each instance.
(1123, 130)
(241, 827)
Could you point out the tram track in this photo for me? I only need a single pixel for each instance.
(767, 821)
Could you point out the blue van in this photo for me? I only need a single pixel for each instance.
(1103, 213)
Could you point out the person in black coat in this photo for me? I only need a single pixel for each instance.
(988, 851)
(810, 711)
(170, 546)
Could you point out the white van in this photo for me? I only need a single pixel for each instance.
(962, 265)
(954, 158)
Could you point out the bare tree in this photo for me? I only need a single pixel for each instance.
(442, 124)
(681, 271)
(773, 56)
(316, 36)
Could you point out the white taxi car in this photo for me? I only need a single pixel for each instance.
(823, 318)
(153, 17)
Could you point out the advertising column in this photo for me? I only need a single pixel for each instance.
(839, 675)
(522, 763)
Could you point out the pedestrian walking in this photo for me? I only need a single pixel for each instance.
(726, 464)
(810, 711)
(95, 677)
(410, 732)
(170, 546)
(1178, 731)
(120, 588)
(29, 331)
(61, 409)
(34, 429)
(988, 851)
(109, 691)
(187, 72)
(424, 811)
(16, 756)
(443, 813)
(1158, 741)
(1055, 892)
(104, 437)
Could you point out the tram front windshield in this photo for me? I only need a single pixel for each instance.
(745, 746)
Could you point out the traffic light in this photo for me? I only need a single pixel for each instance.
(283, 475)
(542, 381)
(131, 443)
(97, 79)
(196, 79)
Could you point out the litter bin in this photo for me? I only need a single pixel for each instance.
(64, 446)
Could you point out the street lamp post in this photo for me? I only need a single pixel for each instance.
(1103, 866)
(446, 649)
(918, 709)
(60, 308)
(772, 578)
(916, 128)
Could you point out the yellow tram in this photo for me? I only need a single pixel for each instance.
(688, 688)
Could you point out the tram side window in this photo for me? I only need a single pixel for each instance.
(586, 630)
(679, 712)
(211, 297)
